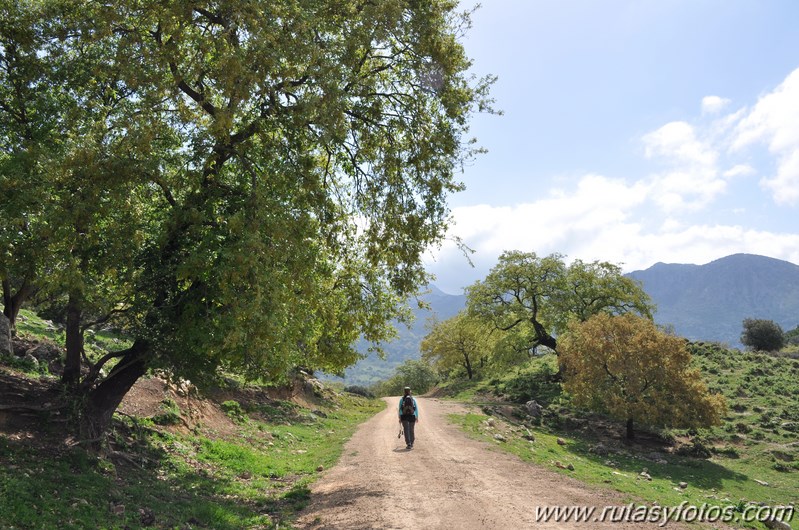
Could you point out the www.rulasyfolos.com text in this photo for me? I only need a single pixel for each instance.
(684, 512)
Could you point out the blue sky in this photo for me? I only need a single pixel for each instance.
(633, 132)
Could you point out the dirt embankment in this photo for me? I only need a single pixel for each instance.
(446, 481)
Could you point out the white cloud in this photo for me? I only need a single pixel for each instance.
(713, 104)
(774, 120)
(660, 216)
(677, 141)
(740, 170)
(602, 229)
(693, 179)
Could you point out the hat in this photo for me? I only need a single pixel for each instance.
(407, 388)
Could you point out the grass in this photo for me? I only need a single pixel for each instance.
(757, 440)
(256, 479)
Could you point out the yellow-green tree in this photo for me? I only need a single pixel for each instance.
(626, 367)
(458, 342)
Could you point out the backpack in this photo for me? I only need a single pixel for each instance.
(407, 406)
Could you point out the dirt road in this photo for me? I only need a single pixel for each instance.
(446, 481)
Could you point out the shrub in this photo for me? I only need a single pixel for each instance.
(234, 411)
(762, 335)
(170, 413)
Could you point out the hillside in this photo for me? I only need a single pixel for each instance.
(230, 458)
(709, 302)
(750, 459)
(703, 302)
(406, 345)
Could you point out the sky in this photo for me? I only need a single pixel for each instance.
(633, 131)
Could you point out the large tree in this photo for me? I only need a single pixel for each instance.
(279, 169)
(626, 367)
(533, 298)
(460, 342)
(762, 335)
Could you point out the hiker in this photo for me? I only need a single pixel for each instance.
(408, 416)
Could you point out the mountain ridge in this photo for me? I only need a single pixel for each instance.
(710, 301)
(701, 302)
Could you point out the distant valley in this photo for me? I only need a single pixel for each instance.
(702, 302)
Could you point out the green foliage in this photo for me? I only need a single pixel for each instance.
(531, 299)
(169, 413)
(534, 380)
(416, 374)
(248, 187)
(762, 335)
(459, 345)
(625, 367)
(256, 479)
(234, 411)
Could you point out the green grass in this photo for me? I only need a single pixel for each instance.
(757, 440)
(256, 479)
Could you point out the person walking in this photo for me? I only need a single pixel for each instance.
(408, 416)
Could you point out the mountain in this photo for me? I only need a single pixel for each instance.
(702, 302)
(406, 346)
(710, 302)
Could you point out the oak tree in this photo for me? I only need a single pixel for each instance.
(762, 335)
(626, 367)
(461, 342)
(265, 176)
(532, 298)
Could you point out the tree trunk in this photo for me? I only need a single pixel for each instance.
(12, 302)
(74, 343)
(543, 338)
(106, 397)
(630, 432)
(468, 366)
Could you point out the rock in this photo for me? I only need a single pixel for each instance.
(528, 436)
(561, 441)
(559, 465)
(45, 351)
(146, 517)
(6, 348)
(599, 449)
(498, 437)
(761, 482)
(31, 359)
(533, 408)
(775, 523)
(645, 475)
(683, 485)
(117, 509)
(320, 468)
(490, 422)
(570, 467)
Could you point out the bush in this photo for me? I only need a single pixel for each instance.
(170, 413)
(234, 411)
(536, 382)
(762, 335)
(359, 391)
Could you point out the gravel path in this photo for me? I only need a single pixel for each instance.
(446, 481)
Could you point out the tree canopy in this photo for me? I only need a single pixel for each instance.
(533, 298)
(762, 335)
(624, 366)
(459, 343)
(241, 185)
